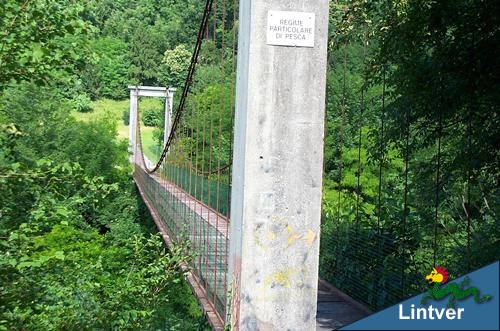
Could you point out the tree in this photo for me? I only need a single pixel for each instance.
(444, 72)
(76, 252)
(59, 273)
(143, 56)
(69, 230)
(107, 75)
(39, 36)
(175, 64)
(413, 180)
(39, 114)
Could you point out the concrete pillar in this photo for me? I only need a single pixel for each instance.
(132, 121)
(277, 164)
(169, 104)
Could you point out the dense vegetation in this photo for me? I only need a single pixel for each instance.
(79, 250)
(411, 151)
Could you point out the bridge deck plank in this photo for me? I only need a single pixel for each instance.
(336, 309)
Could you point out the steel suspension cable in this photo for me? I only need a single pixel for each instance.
(469, 180)
(187, 84)
(212, 107)
(210, 152)
(221, 100)
(405, 196)
(344, 91)
(382, 149)
(195, 173)
(232, 101)
(437, 188)
(139, 132)
(362, 110)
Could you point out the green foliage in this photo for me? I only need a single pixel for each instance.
(148, 29)
(126, 117)
(58, 272)
(74, 252)
(73, 278)
(409, 176)
(40, 115)
(212, 192)
(152, 116)
(82, 103)
(39, 38)
(403, 78)
(106, 76)
(158, 135)
(152, 146)
(210, 113)
(93, 146)
(175, 64)
(144, 57)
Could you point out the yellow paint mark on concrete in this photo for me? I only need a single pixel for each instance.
(257, 241)
(271, 236)
(280, 278)
(292, 238)
(291, 235)
(309, 237)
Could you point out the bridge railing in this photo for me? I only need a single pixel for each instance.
(404, 188)
(183, 219)
(188, 188)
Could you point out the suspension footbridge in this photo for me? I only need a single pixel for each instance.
(239, 180)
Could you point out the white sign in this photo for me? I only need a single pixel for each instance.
(290, 28)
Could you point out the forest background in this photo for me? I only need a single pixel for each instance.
(411, 154)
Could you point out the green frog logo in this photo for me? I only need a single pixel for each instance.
(439, 276)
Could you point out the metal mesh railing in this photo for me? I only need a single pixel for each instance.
(188, 188)
(403, 191)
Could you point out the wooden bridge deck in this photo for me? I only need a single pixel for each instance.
(335, 309)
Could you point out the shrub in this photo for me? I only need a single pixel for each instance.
(152, 116)
(82, 103)
(126, 117)
(158, 136)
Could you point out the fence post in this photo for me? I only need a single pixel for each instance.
(277, 165)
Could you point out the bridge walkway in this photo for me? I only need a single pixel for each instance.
(208, 233)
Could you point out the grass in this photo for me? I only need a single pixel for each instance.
(151, 148)
(115, 109)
